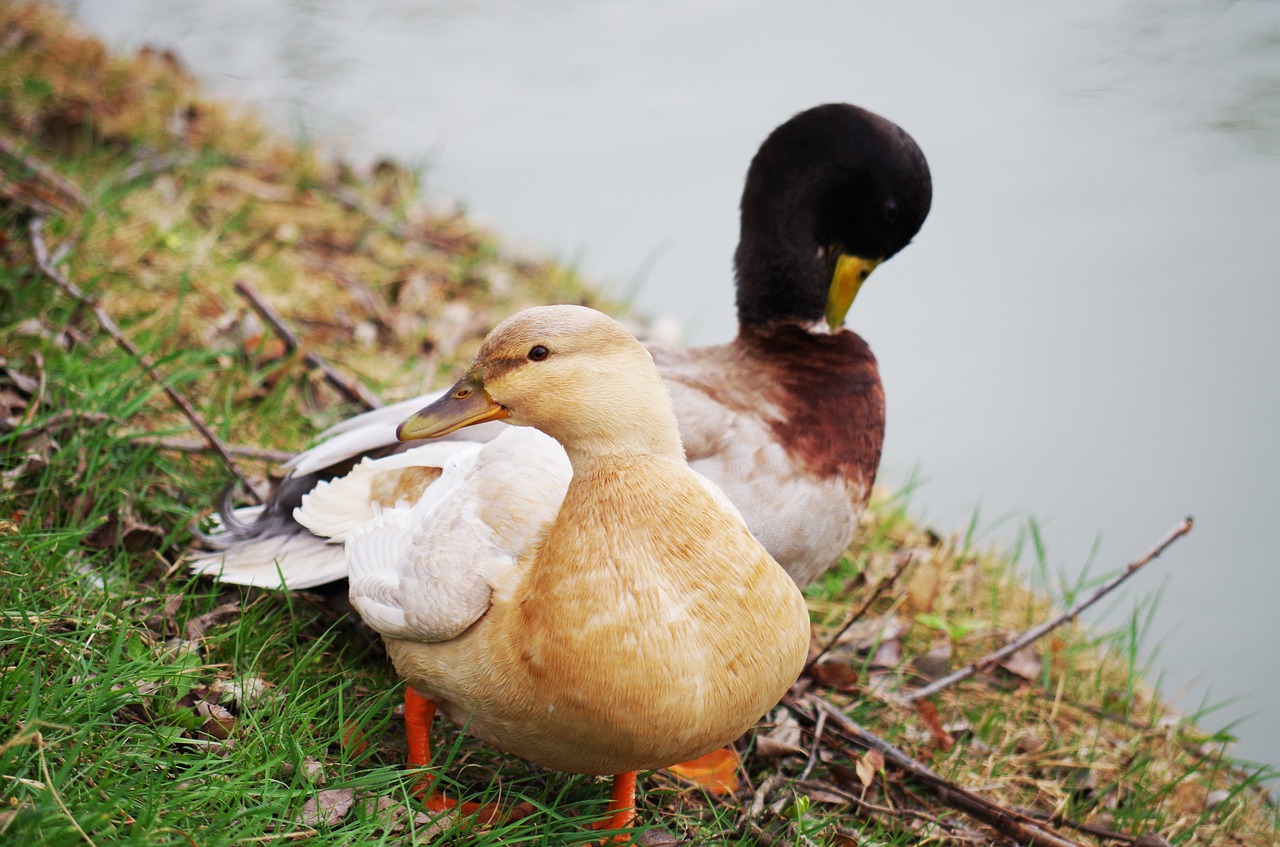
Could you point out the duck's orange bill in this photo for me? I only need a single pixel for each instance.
(716, 772)
(465, 404)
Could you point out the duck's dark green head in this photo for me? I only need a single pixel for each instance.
(831, 194)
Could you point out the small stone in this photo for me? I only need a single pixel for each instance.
(1214, 799)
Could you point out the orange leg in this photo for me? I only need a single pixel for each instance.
(418, 714)
(622, 804)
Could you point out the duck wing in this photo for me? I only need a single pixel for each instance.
(426, 571)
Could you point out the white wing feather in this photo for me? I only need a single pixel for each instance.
(428, 572)
(336, 507)
(353, 436)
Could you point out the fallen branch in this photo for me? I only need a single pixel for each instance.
(105, 321)
(880, 588)
(816, 748)
(150, 163)
(952, 829)
(1048, 626)
(35, 186)
(1089, 828)
(1007, 822)
(351, 390)
(191, 445)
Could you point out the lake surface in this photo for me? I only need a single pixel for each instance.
(1086, 330)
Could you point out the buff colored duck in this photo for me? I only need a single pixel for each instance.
(788, 418)
(602, 614)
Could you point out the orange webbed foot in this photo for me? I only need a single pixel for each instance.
(715, 772)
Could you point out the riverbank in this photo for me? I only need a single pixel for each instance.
(128, 686)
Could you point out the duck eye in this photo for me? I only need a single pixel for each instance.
(891, 209)
(537, 353)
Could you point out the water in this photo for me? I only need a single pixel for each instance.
(1087, 330)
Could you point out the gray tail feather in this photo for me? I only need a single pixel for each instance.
(248, 523)
(264, 545)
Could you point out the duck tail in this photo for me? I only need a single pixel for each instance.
(264, 546)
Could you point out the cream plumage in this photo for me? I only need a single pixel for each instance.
(604, 614)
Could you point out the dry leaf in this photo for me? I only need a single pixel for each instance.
(127, 531)
(929, 715)
(836, 674)
(1029, 742)
(161, 619)
(12, 407)
(935, 663)
(389, 813)
(312, 770)
(353, 738)
(843, 838)
(328, 807)
(198, 626)
(219, 722)
(820, 795)
(657, 838)
(922, 589)
(1023, 663)
(868, 765)
(244, 692)
(783, 740)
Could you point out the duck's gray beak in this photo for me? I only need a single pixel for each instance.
(465, 404)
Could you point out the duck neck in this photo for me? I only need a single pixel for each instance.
(638, 441)
(780, 273)
(630, 415)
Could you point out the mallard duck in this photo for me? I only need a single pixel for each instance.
(602, 613)
(788, 418)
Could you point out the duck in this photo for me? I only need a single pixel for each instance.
(787, 418)
(604, 609)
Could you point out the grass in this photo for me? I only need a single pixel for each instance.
(140, 706)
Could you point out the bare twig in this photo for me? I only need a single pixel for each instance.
(37, 396)
(1006, 821)
(816, 746)
(761, 796)
(351, 390)
(1048, 626)
(887, 811)
(26, 180)
(880, 588)
(191, 445)
(153, 163)
(106, 322)
(54, 421)
(1091, 829)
